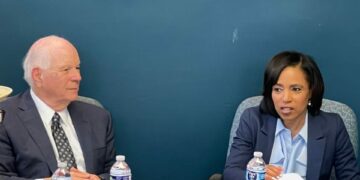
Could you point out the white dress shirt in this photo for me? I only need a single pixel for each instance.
(46, 114)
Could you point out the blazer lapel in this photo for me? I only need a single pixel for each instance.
(316, 145)
(32, 121)
(83, 131)
(266, 136)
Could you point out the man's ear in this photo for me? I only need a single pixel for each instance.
(36, 75)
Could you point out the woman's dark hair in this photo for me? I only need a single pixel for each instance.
(313, 76)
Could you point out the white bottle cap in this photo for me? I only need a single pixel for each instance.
(120, 158)
(258, 154)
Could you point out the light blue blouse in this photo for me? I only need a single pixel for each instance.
(290, 153)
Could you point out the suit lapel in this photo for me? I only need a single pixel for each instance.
(83, 131)
(316, 143)
(32, 121)
(266, 136)
(316, 147)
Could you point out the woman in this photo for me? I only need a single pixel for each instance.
(289, 128)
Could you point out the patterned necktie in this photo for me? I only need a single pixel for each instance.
(62, 142)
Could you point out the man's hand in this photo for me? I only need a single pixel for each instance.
(273, 172)
(79, 175)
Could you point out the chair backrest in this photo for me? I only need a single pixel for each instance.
(90, 100)
(346, 113)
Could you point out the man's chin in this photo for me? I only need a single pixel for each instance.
(73, 97)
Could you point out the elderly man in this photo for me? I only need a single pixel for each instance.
(43, 121)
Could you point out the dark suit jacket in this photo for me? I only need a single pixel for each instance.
(25, 148)
(328, 145)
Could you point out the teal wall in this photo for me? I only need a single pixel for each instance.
(173, 72)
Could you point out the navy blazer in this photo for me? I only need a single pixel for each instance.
(25, 148)
(328, 146)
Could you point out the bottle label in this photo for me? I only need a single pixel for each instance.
(255, 175)
(120, 177)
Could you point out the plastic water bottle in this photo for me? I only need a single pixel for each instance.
(61, 173)
(255, 169)
(120, 170)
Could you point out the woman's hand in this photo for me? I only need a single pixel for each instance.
(272, 172)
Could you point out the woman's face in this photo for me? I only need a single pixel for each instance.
(291, 95)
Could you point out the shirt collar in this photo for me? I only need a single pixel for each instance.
(46, 113)
(304, 130)
(303, 133)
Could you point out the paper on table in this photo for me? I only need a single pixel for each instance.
(291, 176)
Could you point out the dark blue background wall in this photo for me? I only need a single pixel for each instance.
(173, 72)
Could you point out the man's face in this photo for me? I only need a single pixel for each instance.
(61, 80)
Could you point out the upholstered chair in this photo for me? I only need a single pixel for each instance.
(90, 100)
